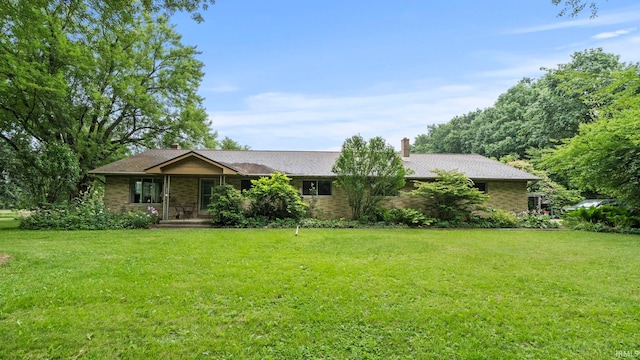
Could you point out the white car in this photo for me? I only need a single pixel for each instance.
(589, 203)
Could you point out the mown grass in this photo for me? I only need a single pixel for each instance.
(8, 214)
(344, 294)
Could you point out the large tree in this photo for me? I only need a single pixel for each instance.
(533, 114)
(605, 156)
(368, 171)
(92, 80)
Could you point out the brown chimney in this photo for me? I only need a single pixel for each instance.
(405, 148)
(175, 146)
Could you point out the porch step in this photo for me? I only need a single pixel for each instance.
(186, 223)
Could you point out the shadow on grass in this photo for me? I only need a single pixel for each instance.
(9, 224)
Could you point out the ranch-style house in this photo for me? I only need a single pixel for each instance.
(177, 182)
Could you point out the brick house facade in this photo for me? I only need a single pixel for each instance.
(164, 178)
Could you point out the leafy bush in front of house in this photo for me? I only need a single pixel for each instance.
(226, 206)
(451, 198)
(409, 217)
(86, 213)
(497, 219)
(273, 197)
(537, 222)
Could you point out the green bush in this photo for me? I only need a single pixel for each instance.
(451, 197)
(537, 222)
(500, 219)
(86, 213)
(409, 217)
(226, 206)
(273, 197)
(602, 219)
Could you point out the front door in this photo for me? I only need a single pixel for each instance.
(205, 194)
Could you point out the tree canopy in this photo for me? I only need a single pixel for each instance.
(605, 155)
(83, 83)
(533, 114)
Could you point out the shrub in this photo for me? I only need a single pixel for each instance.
(273, 197)
(451, 197)
(86, 213)
(537, 222)
(409, 217)
(498, 219)
(226, 206)
(603, 218)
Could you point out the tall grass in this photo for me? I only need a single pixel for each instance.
(347, 294)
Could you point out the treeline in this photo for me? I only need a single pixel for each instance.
(579, 122)
(533, 114)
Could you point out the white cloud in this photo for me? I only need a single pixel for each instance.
(310, 122)
(613, 34)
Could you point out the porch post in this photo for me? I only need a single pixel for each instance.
(165, 203)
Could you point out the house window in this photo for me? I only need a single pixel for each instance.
(206, 185)
(323, 187)
(146, 190)
(245, 185)
(480, 186)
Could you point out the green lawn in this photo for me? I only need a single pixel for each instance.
(357, 294)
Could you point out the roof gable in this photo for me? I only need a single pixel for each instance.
(190, 163)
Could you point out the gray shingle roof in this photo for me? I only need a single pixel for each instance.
(316, 163)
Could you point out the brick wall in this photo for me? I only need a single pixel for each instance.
(506, 195)
(116, 193)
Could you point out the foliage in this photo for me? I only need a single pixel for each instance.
(409, 217)
(230, 144)
(604, 157)
(603, 218)
(451, 197)
(274, 198)
(557, 194)
(574, 7)
(226, 206)
(368, 171)
(500, 219)
(326, 294)
(537, 222)
(92, 82)
(533, 114)
(86, 213)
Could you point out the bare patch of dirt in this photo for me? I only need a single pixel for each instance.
(4, 258)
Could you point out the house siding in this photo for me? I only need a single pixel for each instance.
(506, 195)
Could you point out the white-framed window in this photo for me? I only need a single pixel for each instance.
(316, 187)
(145, 190)
(205, 191)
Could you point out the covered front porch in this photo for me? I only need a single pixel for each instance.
(187, 183)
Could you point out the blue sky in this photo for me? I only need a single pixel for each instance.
(306, 75)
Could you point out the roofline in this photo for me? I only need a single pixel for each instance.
(409, 178)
